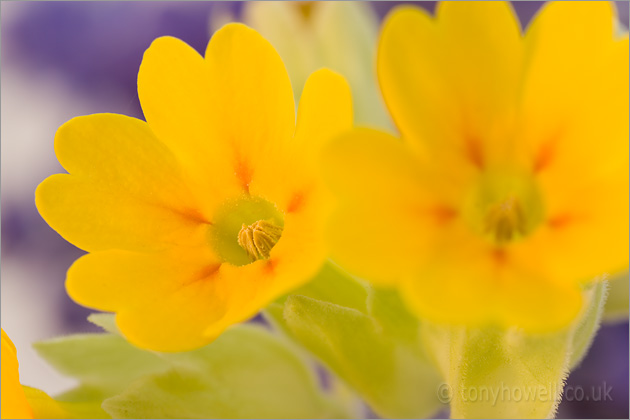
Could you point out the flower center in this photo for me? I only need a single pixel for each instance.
(245, 229)
(259, 238)
(504, 207)
(505, 220)
(305, 9)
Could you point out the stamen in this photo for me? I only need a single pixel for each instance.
(505, 220)
(305, 9)
(259, 238)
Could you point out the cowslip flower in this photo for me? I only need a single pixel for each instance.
(339, 35)
(509, 190)
(14, 403)
(23, 402)
(197, 218)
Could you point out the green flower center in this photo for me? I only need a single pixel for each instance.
(245, 230)
(505, 220)
(504, 207)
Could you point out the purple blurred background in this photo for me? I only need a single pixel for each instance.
(63, 59)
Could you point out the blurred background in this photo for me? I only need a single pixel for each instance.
(64, 59)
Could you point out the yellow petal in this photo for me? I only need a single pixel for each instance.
(301, 250)
(164, 301)
(482, 61)
(385, 214)
(325, 111)
(125, 189)
(183, 298)
(455, 284)
(179, 103)
(113, 280)
(378, 245)
(466, 282)
(120, 152)
(224, 115)
(174, 322)
(253, 109)
(451, 83)
(294, 260)
(199, 303)
(538, 304)
(577, 139)
(409, 69)
(45, 407)
(14, 404)
(575, 97)
(96, 219)
(572, 25)
(589, 225)
(371, 165)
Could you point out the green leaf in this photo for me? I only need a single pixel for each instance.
(247, 372)
(589, 323)
(45, 407)
(494, 373)
(332, 284)
(616, 308)
(371, 342)
(106, 321)
(344, 338)
(104, 364)
(505, 373)
(390, 313)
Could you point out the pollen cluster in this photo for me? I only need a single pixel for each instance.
(259, 238)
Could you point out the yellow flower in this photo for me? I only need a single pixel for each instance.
(198, 218)
(510, 187)
(339, 35)
(13, 401)
(23, 402)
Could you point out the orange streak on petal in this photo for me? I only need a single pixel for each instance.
(545, 155)
(443, 214)
(193, 215)
(499, 255)
(270, 266)
(474, 152)
(297, 200)
(243, 172)
(560, 221)
(204, 274)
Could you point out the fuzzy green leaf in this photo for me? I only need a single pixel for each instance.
(247, 372)
(45, 407)
(505, 373)
(372, 344)
(106, 321)
(616, 308)
(494, 373)
(589, 323)
(104, 364)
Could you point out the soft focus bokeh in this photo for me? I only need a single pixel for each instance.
(64, 59)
